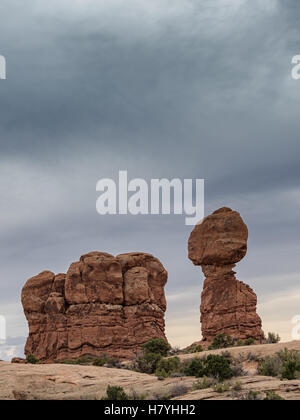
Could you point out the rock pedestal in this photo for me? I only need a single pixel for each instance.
(227, 305)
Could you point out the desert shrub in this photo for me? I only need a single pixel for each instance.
(174, 350)
(176, 375)
(84, 360)
(239, 343)
(112, 362)
(203, 383)
(289, 355)
(115, 393)
(269, 366)
(168, 366)
(157, 346)
(220, 388)
(178, 390)
(161, 373)
(237, 386)
(252, 357)
(196, 349)
(226, 354)
(195, 367)
(221, 341)
(252, 396)
(218, 367)
(237, 369)
(284, 363)
(135, 396)
(273, 338)
(99, 361)
(31, 359)
(289, 370)
(69, 362)
(148, 362)
(272, 396)
(249, 341)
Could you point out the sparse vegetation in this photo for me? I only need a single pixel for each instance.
(221, 341)
(218, 367)
(195, 367)
(31, 359)
(249, 342)
(178, 390)
(285, 363)
(147, 363)
(252, 396)
(99, 361)
(165, 367)
(115, 393)
(237, 386)
(196, 349)
(272, 396)
(220, 388)
(156, 346)
(203, 383)
(273, 338)
(215, 366)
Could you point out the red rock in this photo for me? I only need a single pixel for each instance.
(103, 305)
(227, 305)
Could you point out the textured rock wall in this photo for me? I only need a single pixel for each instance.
(103, 305)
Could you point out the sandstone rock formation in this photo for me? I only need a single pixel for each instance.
(227, 305)
(103, 305)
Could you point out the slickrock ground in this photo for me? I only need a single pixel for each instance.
(55, 381)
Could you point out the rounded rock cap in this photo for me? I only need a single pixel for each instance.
(220, 239)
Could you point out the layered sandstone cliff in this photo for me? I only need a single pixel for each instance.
(227, 305)
(103, 305)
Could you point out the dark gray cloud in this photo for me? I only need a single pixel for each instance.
(167, 89)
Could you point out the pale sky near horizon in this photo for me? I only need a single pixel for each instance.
(160, 88)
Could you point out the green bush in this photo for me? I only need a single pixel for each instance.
(249, 342)
(203, 383)
(84, 360)
(237, 386)
(169, 366)
(284, 363)
(99, 362)
(252, 396)
(272, 396)
(221, 341)
(157, 346)
(269, 366)
(31, 359)
(221, 388)
(195, 368)
(218, 367)
(196, 349)
(273, 338)
(289, 370)
(148, 362)
(115, 393)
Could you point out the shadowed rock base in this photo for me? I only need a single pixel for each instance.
(103, 305)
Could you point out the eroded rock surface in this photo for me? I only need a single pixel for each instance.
(227, 304)
(103, 305)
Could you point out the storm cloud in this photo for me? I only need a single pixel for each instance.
(167, 88)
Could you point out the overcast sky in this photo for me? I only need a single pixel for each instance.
(160, 88)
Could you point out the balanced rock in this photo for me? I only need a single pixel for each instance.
(103, 305)
(227, 305)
